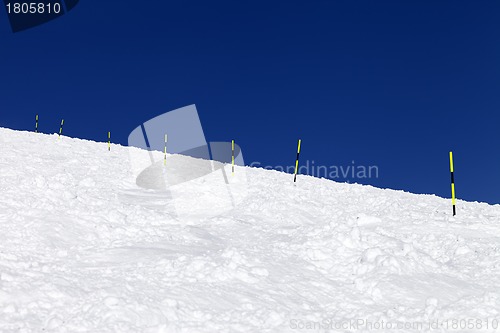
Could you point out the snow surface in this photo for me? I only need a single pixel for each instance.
(78, 255)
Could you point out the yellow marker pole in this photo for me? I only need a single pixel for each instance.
(109, 141)
(36, 126)
(61, 129)
(453, 199)
(165, 152)
(232, 155)
(297, 162)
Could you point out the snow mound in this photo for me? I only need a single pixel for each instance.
(84, 249)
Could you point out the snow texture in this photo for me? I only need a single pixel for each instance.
(84, 249)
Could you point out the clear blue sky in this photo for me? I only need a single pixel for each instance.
(396, 84)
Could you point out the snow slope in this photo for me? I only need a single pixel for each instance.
(314, 256)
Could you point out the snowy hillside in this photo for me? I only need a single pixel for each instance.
(80, 253)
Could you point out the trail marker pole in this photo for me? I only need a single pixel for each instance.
(61, 129)
(165, 152)
(232, 156)
(297, 162)
(36, 125)
(109, 141)
(453, 199)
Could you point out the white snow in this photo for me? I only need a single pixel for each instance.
(83, 249)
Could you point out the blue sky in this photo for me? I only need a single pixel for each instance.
(396, 84)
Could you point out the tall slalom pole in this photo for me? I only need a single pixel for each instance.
(36, 124)
(109, 141)
(297, 162)
(232, 156)
(61, 129)
(165, 152)
(453, 199)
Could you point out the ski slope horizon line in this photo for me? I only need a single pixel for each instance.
(252, 165)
